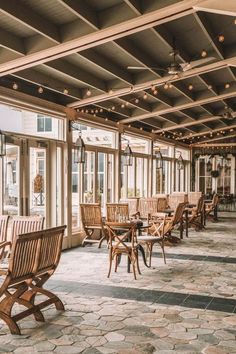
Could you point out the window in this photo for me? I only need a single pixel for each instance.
(44, 124)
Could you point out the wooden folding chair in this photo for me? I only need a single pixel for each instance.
(33, 260)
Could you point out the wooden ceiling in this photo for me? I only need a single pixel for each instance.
(70, 47)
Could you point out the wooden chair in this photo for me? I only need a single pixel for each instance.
(3, 227)
(21, 225)
(193, 197)
(122, 243)
(211, 206)
(175, 198)
(34, 258)
(133, 206)
(161, 204)
(156, 235)
(117, 212)
(91, 217)
(147, 207)
(196, 215)
(172, 222)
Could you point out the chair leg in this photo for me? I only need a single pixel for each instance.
(133, 258)
(150, 246)
(110, 259)
(137, 260)
(116, 262)
(163, 251)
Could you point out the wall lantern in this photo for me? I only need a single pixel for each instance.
(159, 160)
(128, 156)
(79, 146)
(180, 162)
(209, 164)
(2, 144)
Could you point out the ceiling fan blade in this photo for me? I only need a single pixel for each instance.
(195, 63)
(142, 68)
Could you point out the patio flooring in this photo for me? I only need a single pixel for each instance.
(185, 306)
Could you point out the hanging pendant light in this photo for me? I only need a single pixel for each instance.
(180, 162)
(159, 160)
(79, 150)
(128, 155)
(2, 144)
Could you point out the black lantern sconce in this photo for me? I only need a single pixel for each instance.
(209, 164)
(180, 162)
(159, 160)
(79, 147)
(128, 154)
(2, 144)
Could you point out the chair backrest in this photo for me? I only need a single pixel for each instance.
(3, 227)
(116, 238)
(133, 205)
(25, 224)
(200, 205)
(117, 212)
(193, 197)
(91, 214)
(147, 206)
(178, 213)
(161, 204)
(175, 198)
(35, 252)
(215, 200)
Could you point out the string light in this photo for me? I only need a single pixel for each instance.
(227, 85)
(221, 38)
(113, 108)
(209, 87)
(145, 96)
(88, 93)
(203, 53)
(166, 86)
(155, 92)
(106, 119)
(110, 91)
(101, 110)
(190, 87)
(15, 86)
(122, 106)
(136, 100)
(153, 88)
(40, 89)
(65, 91)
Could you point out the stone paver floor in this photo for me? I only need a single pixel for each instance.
(100, 321)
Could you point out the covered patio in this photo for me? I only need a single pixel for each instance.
(117, 176)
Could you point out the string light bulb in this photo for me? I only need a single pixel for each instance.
(88, 93)
(101, 110)
(153, 88)
(227, 85)
(15, 86)
(40, 89)
(203, 53)
(190, 87)
(145, 96)
(65, 91)
(209, 87)
(221, 38)
(136, 100)
(110, 91)
(155, 92)
(122, 106)
(166, 86)
(113, 108)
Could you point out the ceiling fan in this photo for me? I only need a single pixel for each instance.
(228, 113)
(175, 68)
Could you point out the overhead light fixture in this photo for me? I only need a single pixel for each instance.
(2, 144)
(79, 147)
(180, 162)
(159, 160)
(128, 156)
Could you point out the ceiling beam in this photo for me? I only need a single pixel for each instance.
(188, 124)
(96, 38)
(225, 93)
(22, 13)
(12, 42)
(226, 7)
(217, 138)
(216, 130)
(82, 11)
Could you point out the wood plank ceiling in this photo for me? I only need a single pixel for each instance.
(79, 52)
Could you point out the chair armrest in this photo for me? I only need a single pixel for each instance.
(3, 246)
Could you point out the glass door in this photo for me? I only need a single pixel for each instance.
(37, 155)
(10, 186)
